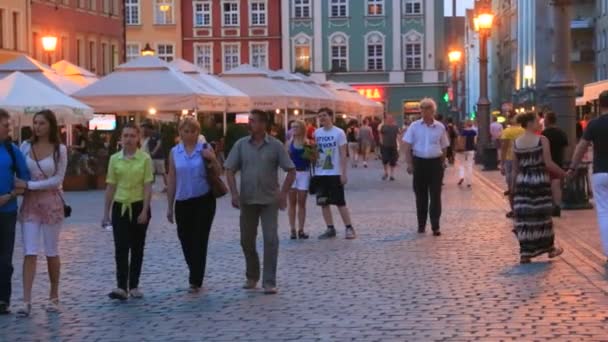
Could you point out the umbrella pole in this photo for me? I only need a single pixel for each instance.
(225, 123)
(286, 121)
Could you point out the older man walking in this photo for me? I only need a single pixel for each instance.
(426, 142)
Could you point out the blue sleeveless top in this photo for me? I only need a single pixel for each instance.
(297, 156)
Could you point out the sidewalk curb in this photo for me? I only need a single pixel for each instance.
(592, 264)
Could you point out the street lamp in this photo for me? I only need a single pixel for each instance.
(49, 44)
(454, 57)
(147, 50)
(483, 21)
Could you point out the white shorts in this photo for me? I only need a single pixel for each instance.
(31, 232)
(302, 181)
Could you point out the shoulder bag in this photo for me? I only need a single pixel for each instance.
(218, 188)
(67, 210)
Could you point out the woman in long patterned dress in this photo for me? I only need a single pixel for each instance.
(532, 201)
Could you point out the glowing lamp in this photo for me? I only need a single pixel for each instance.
(152, 111)
(147, 50)
(49, 43)
(454, 56)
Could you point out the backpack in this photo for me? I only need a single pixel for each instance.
(8, 145)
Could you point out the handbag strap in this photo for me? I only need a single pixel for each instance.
(42, 171)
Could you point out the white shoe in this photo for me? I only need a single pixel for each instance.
(24, 310)
(136, 293)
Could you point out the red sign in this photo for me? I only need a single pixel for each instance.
(372, 93)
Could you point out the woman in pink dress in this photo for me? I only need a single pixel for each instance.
(42, 211)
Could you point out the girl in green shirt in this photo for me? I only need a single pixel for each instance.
(128, 195)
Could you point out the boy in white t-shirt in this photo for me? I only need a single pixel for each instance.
(330, 172)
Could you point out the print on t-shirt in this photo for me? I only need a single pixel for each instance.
(328, 145)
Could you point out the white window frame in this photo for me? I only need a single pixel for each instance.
(338, 5)
(165, 55)
(334, 43)
(265, 45)
(132, 5)
(168, 18)
(412, 3)
(417, 39)
(260, 14)
(202, 3)
(382, 43)
(135, 45)
(301, 40)
(238, 14)
(375, 2)
(209, 69)
(224, 46)
(301, 5)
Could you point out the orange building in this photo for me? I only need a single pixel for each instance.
(14, 28)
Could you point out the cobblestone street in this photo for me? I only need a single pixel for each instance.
(391, 284)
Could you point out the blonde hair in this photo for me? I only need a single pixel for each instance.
(189, 123)
(427, 101)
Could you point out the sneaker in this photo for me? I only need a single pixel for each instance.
(350, 233)
(436, 233)
(271, 290)
(24, 310)
(4, 308)
(119, 294)
(385, 177)
(392, 179)
(329, 233)
(250, 284)
(136, 293)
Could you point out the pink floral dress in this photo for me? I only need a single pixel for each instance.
(42, 201)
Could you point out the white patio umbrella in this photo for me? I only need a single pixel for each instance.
(349, 103)
(40, 72)
(298, 90)
(149, 82)
(236, 100)
(326, 96)
(75, 73)
(22, 96)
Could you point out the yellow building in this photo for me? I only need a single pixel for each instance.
(154, 24)
(15, 18)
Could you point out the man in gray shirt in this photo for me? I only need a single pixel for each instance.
(388, 142)
(257, 157)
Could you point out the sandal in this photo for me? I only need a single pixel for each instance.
(302, 235)
(293, 235)
(557, 251)
(53, 306)
(25, 310)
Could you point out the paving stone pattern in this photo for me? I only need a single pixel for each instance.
(391, 284)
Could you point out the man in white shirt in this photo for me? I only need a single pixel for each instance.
(425, 147)
(495, 131)
(330, 174)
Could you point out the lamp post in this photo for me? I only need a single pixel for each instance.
(49, 45)
(562, 97)
(454, 57)
(147, 50)
(483, 25)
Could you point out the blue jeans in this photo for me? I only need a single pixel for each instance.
(7, 244)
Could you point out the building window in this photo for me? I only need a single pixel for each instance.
(106, 6)
(92, 5)
(232, 56)
(258, 13)
(132, 12)
(15, 31)
(165, 52)
(82, 4)
(202, 13)
(133, 51)
(259, 55)
(203, 56)
(63, 47)
(375, 7)
(230, 13)
(339, 52)
(113, 57)
(163, 12)
(413, 56)
(92, 57)
(104, 58)
(375, 51)
(338, 8)
(79, 52)
(412, 7)
(301, 8)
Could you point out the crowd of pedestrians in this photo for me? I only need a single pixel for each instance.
(315, 161)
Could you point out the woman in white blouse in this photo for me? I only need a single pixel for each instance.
(42, 211)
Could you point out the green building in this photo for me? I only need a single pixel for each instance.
(392, 51)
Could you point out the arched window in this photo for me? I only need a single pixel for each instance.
(338, 52)
(302, 53)
(412, 50)
(374, 42)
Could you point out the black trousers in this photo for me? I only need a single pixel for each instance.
(194, 218)
(129, 238)
(7, 244)
(428, 179)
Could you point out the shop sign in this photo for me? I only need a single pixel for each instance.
(372, 93)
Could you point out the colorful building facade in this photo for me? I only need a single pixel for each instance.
(222, 34)
(14, 28)
(391, 51)
(155, 25)
(90, 33)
